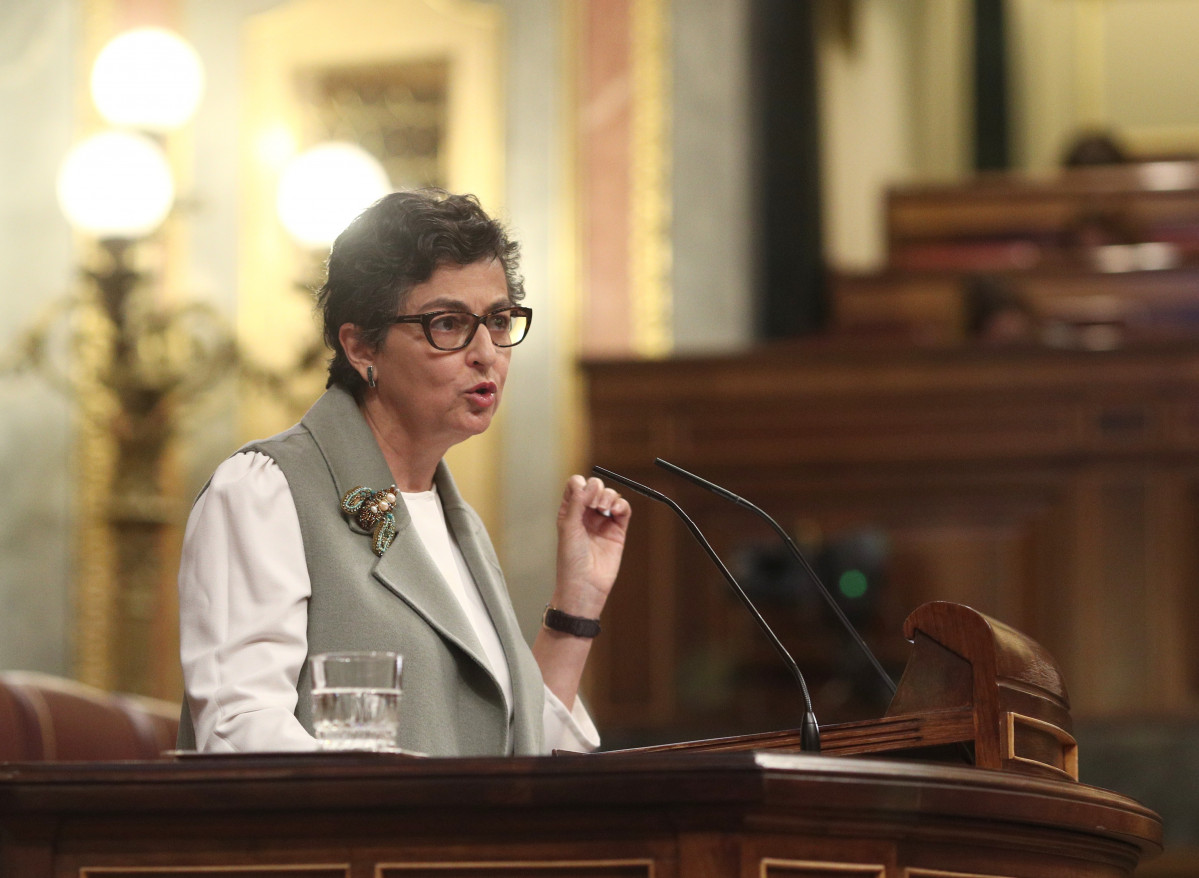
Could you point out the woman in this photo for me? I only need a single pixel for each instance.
(282, 557)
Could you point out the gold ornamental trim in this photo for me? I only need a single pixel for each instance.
(317, 870)
(940, 873)
(617, 868)
(94, 449)
(650, 254)
(774, 866)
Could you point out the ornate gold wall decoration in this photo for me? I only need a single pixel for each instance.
(650, 197)
(95, 565)
(396, 111)
(417, 83)
(623, 147)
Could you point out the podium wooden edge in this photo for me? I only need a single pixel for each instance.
(974, 691)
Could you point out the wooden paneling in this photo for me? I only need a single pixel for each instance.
(772, 868)
(733, 815)
(934, 225)
(551, 869)
(290, 870)
(1092, 256)
(929, 306)
(1056, 491)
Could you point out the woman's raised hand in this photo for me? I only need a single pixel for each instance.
(592, 522)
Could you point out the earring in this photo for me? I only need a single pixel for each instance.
(370, 376)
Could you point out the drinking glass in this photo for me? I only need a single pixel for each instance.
(356, 700)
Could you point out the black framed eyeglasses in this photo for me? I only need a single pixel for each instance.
(453, 330)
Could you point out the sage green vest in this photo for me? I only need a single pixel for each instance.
(451, 703)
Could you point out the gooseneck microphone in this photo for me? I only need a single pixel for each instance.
(799, 556)
(809, 730)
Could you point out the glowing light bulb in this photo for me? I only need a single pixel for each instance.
(323, 188)
(116, 184)
(149, 79)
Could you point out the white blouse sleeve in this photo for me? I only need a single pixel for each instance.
(243, 610)
(565, 729)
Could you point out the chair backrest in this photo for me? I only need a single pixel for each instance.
(49, 718)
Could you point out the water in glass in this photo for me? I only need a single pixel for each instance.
(356, 700)
(355, 718)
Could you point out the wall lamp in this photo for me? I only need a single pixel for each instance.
(130, 360)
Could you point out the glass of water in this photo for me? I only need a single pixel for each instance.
(356, 700)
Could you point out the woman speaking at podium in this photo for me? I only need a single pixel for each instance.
(290, 550)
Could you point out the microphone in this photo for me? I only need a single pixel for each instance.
(799, 556)
(809, 730)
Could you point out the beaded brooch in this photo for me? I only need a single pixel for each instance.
(373, 510)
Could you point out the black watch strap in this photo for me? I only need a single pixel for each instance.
(556, 620)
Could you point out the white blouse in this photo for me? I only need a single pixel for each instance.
(243, 610)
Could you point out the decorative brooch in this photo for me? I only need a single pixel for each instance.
(373, 510)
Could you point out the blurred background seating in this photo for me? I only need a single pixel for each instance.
(49, 718)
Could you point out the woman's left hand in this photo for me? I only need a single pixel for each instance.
(592, 522)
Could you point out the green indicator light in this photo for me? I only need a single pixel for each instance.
(853, 583)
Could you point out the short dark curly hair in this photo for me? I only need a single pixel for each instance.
(394, 245)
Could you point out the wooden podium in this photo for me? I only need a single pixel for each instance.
(666, 815)
(974, 690)
(734, 807)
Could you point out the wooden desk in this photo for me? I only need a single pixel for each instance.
(693, 815)
(1004, 220)
(1118, 244)
(930, 306)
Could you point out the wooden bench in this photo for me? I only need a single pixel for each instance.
(1114, 245)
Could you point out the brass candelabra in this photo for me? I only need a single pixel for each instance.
(134, 369)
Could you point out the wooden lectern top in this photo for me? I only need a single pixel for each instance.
(974, 690)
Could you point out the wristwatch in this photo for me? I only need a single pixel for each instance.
(556, 620)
